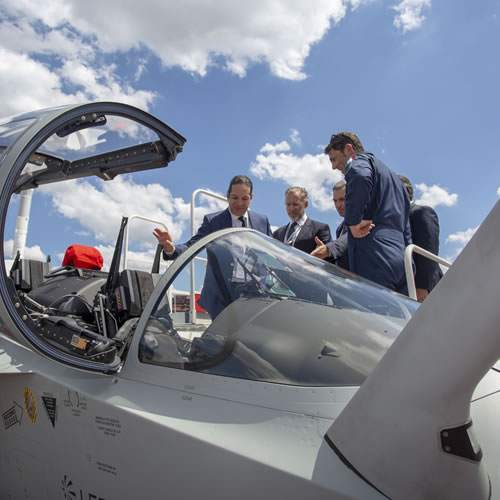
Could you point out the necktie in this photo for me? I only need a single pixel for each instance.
(291, 231)
(243, 221)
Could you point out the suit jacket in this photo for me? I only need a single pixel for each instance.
(217, 292)
(338, 248)
(221, 220)
(424, 225)
(305, 238)
(375, 192)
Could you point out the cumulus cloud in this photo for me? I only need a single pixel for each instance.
(498, 191)
(89, 84)
(34, 252)
(275, 148)
(193, 34)
(135, 259)
(462, 237)
(68, 47)
(313, 172)
(98, 208)
(409, 14)
(435, 195)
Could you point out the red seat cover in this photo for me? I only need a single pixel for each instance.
(83, 257)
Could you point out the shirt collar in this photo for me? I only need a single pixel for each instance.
(348, 162)
(301, 221)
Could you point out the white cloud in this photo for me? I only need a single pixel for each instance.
(498, 191)
(435, 195)
(34, 86)
(193, 34)
(462, 237)
(135, 260)
(19, 85)
(66, 47)
(295, 137)
(34, 252)
(313, 172)
(275, 148)
(99, 208)
(409, 14)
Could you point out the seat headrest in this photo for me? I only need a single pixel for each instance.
(83, 257)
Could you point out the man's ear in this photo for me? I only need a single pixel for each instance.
(306, 203)
(348, 150)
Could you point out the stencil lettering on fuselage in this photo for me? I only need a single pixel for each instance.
(12, 416)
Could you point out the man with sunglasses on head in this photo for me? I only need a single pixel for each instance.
(377, 209)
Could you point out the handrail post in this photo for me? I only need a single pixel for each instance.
(410, 279)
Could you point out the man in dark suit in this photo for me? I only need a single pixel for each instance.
(336, 251)
(239, 197)
(377, 209)
(215, 296)
(424, 224)
(301, 231)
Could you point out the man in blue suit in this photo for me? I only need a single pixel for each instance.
(301, 231)
(424, 224)
(218, 287)
(377, 209)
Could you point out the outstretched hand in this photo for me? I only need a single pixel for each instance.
(164, 239)
(362, 229)
(321, 251)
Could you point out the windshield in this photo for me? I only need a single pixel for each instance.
(266, 311)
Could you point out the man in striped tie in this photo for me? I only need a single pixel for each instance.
(301, 231)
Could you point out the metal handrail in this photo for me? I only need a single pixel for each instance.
(192, 305)
(410, 279)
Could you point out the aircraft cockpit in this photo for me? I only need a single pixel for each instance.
(236, 304)
(254, 315)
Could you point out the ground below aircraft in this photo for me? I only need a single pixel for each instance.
(305, 381)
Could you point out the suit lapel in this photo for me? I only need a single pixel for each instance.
(251, 221)
(228, 220)
(280, 233)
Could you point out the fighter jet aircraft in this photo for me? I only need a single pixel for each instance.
(296, 379)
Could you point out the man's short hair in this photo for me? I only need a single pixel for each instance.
(407, 185)
(340, 140)
(340, 185)
(302, 192)
(240, 179)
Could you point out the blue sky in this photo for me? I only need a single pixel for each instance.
(258, 88)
